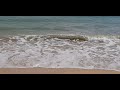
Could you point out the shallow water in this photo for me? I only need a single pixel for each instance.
(60, 42)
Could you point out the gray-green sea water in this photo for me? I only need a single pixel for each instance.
(90, 42)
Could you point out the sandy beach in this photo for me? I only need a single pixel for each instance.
(53, 71)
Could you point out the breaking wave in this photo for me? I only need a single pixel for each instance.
(60, 51)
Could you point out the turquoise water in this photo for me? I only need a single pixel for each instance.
(107, 25)
(89, 42)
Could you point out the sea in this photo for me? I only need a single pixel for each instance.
(85, 42)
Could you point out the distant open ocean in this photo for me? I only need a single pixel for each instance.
(88, 42)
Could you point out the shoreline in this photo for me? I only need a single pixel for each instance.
(54, 71)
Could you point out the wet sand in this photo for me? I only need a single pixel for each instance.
(54, 71)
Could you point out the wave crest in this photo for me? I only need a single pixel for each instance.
(76, 38)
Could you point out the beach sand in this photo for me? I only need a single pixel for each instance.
(54, 71)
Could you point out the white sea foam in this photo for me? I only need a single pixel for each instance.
(36, 51)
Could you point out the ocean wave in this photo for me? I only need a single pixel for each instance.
(60, 51)
(36, 38)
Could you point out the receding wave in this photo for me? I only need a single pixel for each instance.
(60, 51)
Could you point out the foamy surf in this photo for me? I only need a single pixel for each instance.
(60, 51)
